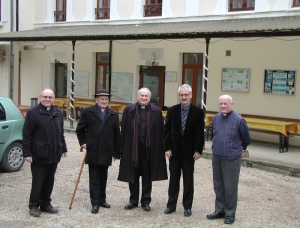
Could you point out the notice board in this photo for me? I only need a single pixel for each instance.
(280, 81)
(236, 79)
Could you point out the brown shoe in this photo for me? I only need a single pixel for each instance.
(35, 212)
(50, 209)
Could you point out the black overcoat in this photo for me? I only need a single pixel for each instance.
(158, 159)
(102, 139)
(43, 135)
(193, 138)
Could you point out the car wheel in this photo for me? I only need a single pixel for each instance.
(13, 158)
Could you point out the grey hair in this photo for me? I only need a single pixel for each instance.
(41, 93)
(144, 88)
(185, 86)
(226, 97)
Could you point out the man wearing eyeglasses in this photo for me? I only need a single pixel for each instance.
(183, 143)
(98, 132)
(43, 146)
(231, 136)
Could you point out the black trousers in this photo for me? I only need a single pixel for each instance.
(42, 184)
(226, 175)
(143, 170)
(98, 181)
(175, 167)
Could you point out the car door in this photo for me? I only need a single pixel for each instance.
(6, 127)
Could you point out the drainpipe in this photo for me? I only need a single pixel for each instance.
(11, 72)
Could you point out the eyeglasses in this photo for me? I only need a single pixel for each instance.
(225, 104)
(184, 95)
(47, 97)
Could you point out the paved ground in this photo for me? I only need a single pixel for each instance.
(266, 199)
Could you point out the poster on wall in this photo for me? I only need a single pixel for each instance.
(279, 81)
(121, 86)
(235, 79)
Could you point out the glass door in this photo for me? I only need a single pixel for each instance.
(153, 78)
(60, 83)
(192, 75)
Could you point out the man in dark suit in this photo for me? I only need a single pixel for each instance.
(183, 143)
(142, 152)
(98, 132)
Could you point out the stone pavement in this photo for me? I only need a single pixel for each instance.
(266, 199)
(262, 156)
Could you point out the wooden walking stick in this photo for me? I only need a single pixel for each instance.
(78, 179)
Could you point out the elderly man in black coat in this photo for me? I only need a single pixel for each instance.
(98, 132)
(43, 146)
(142, 152)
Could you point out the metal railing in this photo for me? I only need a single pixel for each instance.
(152, 10)
(59, 16)
(102, 13)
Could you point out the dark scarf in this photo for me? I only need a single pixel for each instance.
(135, 146)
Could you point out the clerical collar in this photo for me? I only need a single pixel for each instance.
(227, 114)
(143, 107)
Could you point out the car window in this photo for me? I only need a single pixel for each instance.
(2, 113)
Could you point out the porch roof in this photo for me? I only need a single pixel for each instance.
(249, 27)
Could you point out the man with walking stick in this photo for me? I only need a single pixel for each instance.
(98, 132)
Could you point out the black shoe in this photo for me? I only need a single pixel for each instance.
(146, 207)
(169, 211)
(35, 212)
(215, 215)
(229, 220)
(187, 212)
(95, 209)
(105, 205)
(49, 209)
(130, 206)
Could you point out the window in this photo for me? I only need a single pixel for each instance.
(103, 9)
(60, 13)
(102, 71)
(296, 2)
(192, 71)
(2, 113)
(241, 5)
(153, 8)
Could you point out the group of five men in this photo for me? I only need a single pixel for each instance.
(142, 145)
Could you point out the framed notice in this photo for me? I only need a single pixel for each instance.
(279, 81)
(235, 79)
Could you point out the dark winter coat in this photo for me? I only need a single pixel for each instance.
(193, 138)
(43, 135)
(158, 159)
(102, 139)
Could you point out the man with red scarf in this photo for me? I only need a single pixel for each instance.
(142, 152)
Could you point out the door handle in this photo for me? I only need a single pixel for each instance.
(5, 126)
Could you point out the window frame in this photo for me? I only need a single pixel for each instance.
(60, 15)
(102, 9)
(105, 66)
(295, 4)
(153, 8)
(243, 8)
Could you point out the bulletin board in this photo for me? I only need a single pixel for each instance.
(236, 79)
(280, 81)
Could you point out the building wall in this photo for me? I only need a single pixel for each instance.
(257, 54)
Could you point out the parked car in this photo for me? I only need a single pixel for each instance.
(11, 125)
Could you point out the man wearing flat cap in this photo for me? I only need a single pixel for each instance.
(98, 132)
